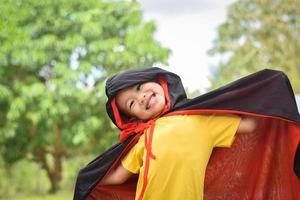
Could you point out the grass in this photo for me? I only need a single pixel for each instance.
(61, 195)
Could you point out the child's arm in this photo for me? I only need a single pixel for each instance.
(247, 124)
(118, 176)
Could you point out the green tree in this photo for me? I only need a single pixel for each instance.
(54, 58)
(258, 34)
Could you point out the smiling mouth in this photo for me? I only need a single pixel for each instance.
(148, 102)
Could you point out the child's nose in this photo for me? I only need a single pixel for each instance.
(142, 98)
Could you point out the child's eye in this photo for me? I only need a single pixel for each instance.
(131, 104)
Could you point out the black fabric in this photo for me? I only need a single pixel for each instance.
(297, 161)
(90, 175)
(267, 92)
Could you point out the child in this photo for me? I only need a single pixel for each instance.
(168, 139)
(146, 102)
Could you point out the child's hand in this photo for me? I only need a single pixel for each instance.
(247, 124)
(116, 177)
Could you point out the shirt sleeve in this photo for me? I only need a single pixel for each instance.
(133, 160)
(223, 128)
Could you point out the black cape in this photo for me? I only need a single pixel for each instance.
(266, 94)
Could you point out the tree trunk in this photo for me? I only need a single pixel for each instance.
(55, 176)
(54, 172)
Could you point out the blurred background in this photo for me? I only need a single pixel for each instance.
(56, 55)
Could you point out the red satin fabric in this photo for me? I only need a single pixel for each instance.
(258, 166)
(114, 192)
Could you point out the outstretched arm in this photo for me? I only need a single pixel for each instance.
(118, 176)
(247, 124)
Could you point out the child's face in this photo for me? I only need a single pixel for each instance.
(143, 101)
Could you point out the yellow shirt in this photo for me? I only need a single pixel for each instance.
(182, 145)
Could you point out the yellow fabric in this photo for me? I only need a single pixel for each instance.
(182, 145)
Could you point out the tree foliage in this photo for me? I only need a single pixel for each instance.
(259, 34)
(54, 58)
